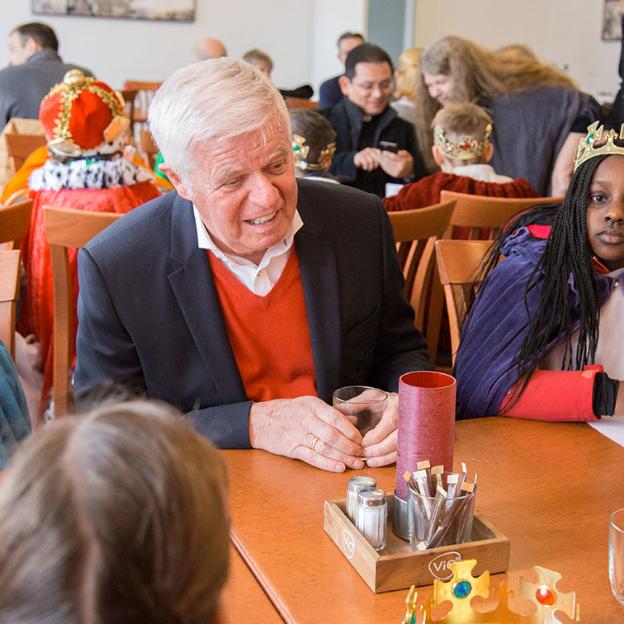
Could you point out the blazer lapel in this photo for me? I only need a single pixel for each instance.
(195, 292)
(322, 299)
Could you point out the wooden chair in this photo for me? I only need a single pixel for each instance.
(478, 213)
(21, 146)
(458, 263)
(145, 91)
(67, 229)
(9, 291)
(294, 103)
(129, 96)
(415, 232)
(147, 147)
(14, 221)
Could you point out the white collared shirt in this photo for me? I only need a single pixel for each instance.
(481, 172)
(259, 279)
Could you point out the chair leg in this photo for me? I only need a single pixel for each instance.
(434, 317)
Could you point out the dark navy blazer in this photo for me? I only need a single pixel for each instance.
(148, 309)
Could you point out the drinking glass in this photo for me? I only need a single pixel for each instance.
(362, 405)
(616, 554)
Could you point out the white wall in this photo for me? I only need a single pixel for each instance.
(116, 49)
(563, 32)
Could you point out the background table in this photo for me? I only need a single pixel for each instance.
(548, 486)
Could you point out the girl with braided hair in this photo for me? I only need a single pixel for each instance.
(544, 336)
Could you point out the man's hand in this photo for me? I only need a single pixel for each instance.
(367, 159)
(308, 429)
(399, 165)
(380, 444)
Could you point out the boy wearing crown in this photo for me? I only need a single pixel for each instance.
(543, 339)
(314, 144)
(462, 150)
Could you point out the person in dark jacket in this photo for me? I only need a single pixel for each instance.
(329, 91)
(374, 145)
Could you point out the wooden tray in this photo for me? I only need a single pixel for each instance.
(398, 566)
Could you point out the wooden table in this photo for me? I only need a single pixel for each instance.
(243, 599)
(549, 487)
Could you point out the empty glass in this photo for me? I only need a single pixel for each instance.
(616, 554)
(362, 405)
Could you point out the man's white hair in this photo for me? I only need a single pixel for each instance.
(215, 99)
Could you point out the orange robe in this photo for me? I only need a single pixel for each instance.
(37, 310)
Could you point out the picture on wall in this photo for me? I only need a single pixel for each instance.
(611, 22)
(177, 10)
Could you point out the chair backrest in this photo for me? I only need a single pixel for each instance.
(129, 96)
(459, 262)
(21, 146)
(9, 291)
(147, 148)
(479, 213)
(294, 103)
(145, 92)
(415, 232)
(67, 229)
(14, 221)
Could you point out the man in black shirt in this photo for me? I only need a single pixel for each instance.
(374, 145)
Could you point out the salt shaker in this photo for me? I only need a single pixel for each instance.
(354, 487)
(372, 513)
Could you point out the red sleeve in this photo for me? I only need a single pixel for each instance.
(556, 396)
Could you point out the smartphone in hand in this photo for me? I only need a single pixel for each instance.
(388, 146)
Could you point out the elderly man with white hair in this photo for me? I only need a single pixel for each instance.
(246, 297)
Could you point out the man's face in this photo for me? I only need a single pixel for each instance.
(440, 87)
(20, 51)
(605, 212)
(371, 87)
(346, 45)
(246, 192)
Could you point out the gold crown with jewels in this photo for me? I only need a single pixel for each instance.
(597, 142)
(465, 148)
(462, 587)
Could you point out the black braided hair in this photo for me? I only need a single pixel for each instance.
(568, 253)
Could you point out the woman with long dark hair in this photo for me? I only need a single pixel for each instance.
(544, 336)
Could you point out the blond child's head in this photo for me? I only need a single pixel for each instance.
(461, 136)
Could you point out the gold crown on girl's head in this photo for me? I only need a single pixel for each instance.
(597, 142)
(550, 604)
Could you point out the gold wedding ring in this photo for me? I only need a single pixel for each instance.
(314, 443)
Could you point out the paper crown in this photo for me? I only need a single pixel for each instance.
(462, 587)
(465, 148)
(301, 151)
(597, 142)
(82, 114)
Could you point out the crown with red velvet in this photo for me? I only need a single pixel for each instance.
(82, 114)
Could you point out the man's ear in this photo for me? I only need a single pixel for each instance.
(32, 46)
(345, 85)
(183, 189)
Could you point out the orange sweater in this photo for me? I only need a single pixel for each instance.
(270, 335)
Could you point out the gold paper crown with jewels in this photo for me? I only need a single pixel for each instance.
(301, 151)
(462, 587)
(597, 142)
(465, 148)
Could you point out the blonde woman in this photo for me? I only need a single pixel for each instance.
(407, 83)
(534, 107)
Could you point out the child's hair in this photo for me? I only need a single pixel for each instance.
(255, 57)
(115, 516)
(317, 134)
(463, 123)
(567, 254)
